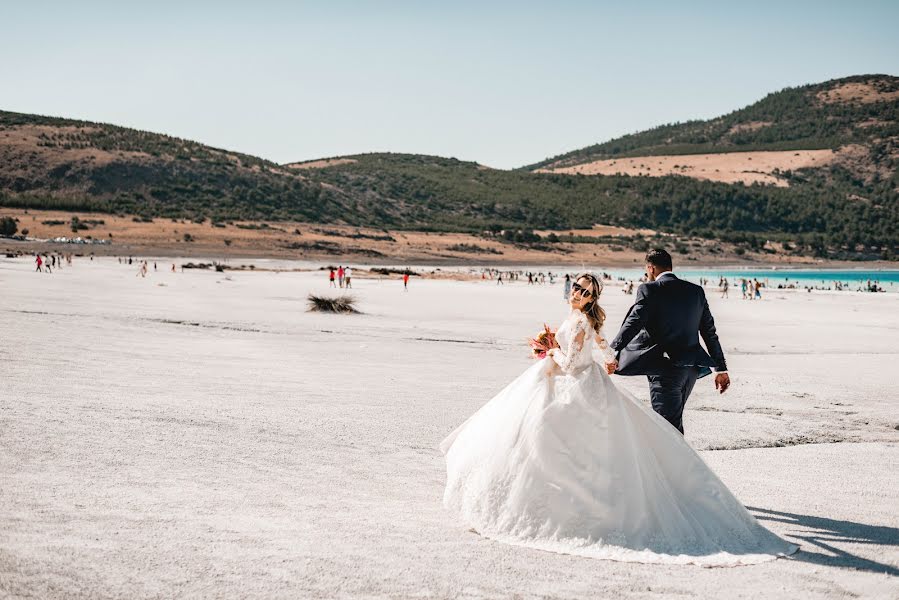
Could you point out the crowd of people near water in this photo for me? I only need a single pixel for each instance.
(341, 277)
(143, 265)
(46, 262)
(871, 285)
(751, 288)
(537, 278)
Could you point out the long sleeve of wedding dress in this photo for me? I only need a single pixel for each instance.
(605, 352)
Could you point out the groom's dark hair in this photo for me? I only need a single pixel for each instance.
(659, 258)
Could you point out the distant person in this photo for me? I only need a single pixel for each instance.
(340, 275)
(566, 291)
(499, 279)
(347, 277)
(724, 285)
(406, 281)
(173, 267)
(38, 261)
(331, 278)
(154, 266)
(758, 289)
(743, 288)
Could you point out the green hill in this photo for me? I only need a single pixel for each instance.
(815, 212)
(849, 208)
(56, 163)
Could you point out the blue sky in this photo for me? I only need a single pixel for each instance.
(502, 83)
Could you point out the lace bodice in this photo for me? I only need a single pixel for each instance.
(578, 343)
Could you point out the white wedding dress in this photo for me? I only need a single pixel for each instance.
(569, 463)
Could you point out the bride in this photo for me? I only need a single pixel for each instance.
(564, 461)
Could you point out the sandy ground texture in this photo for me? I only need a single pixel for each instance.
(728, 167)
(200, 434)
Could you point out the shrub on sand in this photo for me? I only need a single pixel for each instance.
(8, 226)
(340, 304)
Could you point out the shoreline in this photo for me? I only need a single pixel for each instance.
(773, 279)
(30, 247)
(124, 235)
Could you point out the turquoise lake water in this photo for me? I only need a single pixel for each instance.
(852, 279)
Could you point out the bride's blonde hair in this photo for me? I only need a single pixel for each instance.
(596, 316)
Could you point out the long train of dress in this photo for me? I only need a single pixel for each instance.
(570, 463)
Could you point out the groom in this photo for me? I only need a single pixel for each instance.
(660, 339)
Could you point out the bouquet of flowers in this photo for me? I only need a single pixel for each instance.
(541, 344)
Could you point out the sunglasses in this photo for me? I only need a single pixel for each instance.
(579, 289)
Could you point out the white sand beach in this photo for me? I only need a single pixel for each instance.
(200, 434)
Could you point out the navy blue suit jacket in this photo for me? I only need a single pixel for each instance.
(663, 327)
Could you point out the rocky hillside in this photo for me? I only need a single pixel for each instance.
(855, 110)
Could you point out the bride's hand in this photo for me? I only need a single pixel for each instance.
(611, 367)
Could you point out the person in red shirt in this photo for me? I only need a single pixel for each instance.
(406, 282)
(331, 277)
(39, 262)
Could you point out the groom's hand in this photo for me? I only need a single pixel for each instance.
(551, 369)
(722, 382)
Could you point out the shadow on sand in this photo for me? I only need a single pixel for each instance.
(822, 532)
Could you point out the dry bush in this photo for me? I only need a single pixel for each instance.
(340, 304)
